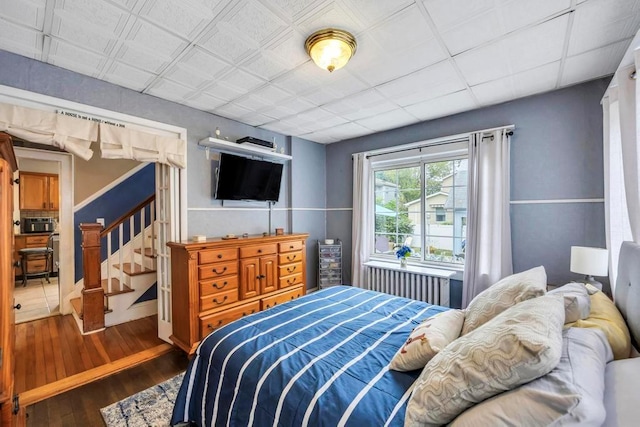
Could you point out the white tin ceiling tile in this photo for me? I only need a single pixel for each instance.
(598, 23)
(15, 38)
(405, 30)
(430, 82)
(167, 89)
(255, 119)
(320, 96)
(484, 64)
(331, 16)
(25, 12)
(519, 13)
(469, 34)
(65, 52)
(294, 125)
(232, 111)
(340, 107)
(278, 112)
(270, 94)
(241, 80)
(252, 103)
(97, 14)
(342, 82)
(329, 122)
(449, 13)
(222, 91)
(129, 4)
(132, 54)
(317, 114)
(300, 80)
(293, 9)
(276, 126)
(593, 64)
(255, 21)
(264, 66)
(204, 102)
(102, 42)
(495, 91)
(443, 106)
(371, 12)
(321, 137)
(203, 63)
(288, 49)
(389, 66)
(180, 17)
(349, 130)
(73, 66)
(186, 77)
(129, 77)
(226, 45)
(153, 39)
(537, 80)
(296, 104)
(370, 111)
(389, 120)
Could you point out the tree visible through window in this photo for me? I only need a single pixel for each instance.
(425, 206)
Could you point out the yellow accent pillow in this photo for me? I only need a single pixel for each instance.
(605, 316)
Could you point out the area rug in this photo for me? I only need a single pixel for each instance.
(149, 408)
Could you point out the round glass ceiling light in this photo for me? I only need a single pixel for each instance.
(331, 48)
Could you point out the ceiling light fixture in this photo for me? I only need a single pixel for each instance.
(331, 48)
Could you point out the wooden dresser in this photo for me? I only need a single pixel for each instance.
(218, 281)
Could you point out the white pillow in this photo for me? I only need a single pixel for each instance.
(517, 346)
(507, 292)
(427, 339)
(577, 303)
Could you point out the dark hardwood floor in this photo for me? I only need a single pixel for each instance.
(52, 349)
(81, 406)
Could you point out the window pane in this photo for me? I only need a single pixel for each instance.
(398, 209)
(446, 210)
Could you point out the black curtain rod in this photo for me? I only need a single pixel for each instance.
(435, 144)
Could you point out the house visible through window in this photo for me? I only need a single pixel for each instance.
(423, 205)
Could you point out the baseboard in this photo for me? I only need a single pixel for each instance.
(53, 389)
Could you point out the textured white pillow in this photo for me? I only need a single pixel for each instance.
(427, 339)
(517, 346)
(507, 292)
(577, 303)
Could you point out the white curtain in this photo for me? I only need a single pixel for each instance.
(48, 128)
(488, 241)
(621, 127)
(121, 143)
(363, 220)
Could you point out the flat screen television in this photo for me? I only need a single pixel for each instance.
(241, 178)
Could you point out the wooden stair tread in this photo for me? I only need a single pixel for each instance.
(76, 303)
(148, 252)
(136, 271)
(117, 288)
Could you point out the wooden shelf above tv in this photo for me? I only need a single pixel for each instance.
(242, 149)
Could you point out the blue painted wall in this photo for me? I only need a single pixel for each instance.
(111, 206)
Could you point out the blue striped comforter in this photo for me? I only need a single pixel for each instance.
(320, 360)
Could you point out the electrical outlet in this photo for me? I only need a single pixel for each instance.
(100, 221)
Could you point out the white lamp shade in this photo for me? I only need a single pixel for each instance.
(589, 261)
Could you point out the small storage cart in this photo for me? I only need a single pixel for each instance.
(329, 263)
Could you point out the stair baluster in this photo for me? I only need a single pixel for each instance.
(109, 254)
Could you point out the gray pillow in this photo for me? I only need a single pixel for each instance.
(517, 346)
(577, 303)
(570, 395)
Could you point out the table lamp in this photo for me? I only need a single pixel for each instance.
(590, 262)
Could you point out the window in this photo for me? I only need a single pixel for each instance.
(423, 205)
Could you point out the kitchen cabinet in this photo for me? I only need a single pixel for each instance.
(39, 191)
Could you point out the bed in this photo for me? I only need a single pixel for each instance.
(323, 360)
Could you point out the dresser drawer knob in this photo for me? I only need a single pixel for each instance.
(246, 314)
(215, 285)
(291, 258)
(292, 281)
(290, 247)
(219, 256)
(259, 251)
(210, 326)
(291, 269)
(220, 302)
(215, 270)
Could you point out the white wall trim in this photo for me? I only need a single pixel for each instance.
(109, 186)
(554, 201)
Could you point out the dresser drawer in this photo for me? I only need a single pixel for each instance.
(254, 251)
(36, 265)
(210, 323)
(288, 269)
(292, 280)
(218, 285)
(288, 258)
(281, 298)
(291, 246)
(36, 241)
(219, 299)
(217, 255)
(217, 269)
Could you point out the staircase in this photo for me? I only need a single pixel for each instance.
(112, 287)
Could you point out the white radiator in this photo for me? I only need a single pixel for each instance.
(420, 286)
